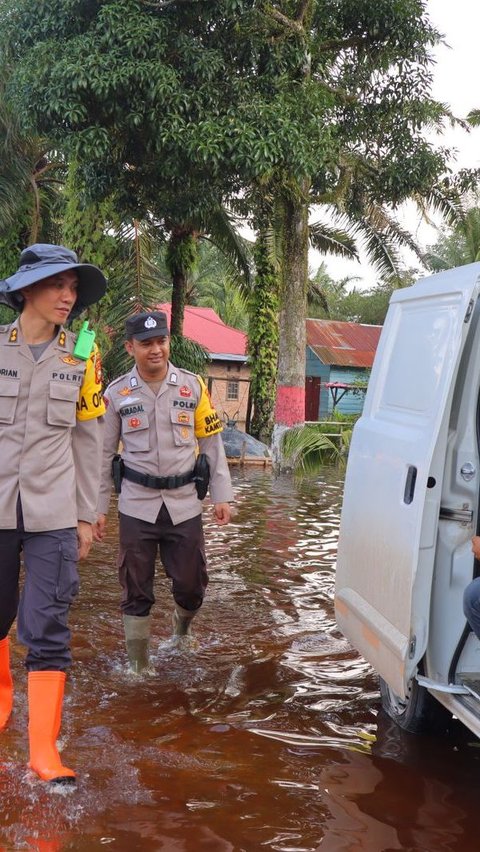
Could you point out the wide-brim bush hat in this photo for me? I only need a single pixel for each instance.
(42, 260)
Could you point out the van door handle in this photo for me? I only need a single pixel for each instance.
(463, 516)
(410, 484)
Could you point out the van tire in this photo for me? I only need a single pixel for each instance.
(418, 713)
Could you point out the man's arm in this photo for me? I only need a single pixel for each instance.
(112, 431)
(87, 438)
(208, 433)
(220, 487)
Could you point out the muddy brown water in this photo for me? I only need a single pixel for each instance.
(265, 736)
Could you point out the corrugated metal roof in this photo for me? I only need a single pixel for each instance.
(205, 327)
(345, 344)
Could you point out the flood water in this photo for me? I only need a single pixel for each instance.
(265, 736)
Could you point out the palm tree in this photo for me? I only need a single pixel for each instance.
(457, 246)
(325, 295)
(219, 226)
(213, 281)
(32, 175)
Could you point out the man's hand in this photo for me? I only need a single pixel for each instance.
(223, 513)
(100, 528)
(476, 546)
(84, 537)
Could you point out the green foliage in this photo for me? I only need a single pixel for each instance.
(182, 252)
(473, 117)
(87, 225)
(340, 417)
(263, 341)
(457, 246)
(306, 448)
(189, 355)
(7, 315)
(175, 109)
(134, 285)
(12, 240)
(360, 384)
(31, 176)
(189, 105)
(339, 300)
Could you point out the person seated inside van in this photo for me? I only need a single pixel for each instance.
(471, 595)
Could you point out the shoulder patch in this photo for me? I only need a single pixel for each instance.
(90, 403)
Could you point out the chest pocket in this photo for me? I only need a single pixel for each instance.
(62, 404)
(135, 433)
(183, 427)
(8, 399)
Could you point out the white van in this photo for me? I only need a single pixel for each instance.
(410, 506)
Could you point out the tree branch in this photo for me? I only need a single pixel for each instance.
(35, 212)
(282, 19)
(162, 4)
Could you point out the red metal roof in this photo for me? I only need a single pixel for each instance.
(205, 327)
(345, 344)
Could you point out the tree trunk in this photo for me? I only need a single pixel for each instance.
(290, 397)
(181, 258)
(179, 287)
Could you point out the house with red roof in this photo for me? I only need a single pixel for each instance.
(338, 354)
(228, 372)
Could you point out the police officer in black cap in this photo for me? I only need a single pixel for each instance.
(164, 418)
(50, 445)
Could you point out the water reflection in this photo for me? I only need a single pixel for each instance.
(266, 736)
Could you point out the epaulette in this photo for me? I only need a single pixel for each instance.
(183, 370)
(118, 380)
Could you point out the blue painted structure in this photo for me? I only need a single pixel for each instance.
(340, 352)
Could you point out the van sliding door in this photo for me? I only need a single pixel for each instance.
(392, 502)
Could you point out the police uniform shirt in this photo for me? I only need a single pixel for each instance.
(160, 434)
(50, 432)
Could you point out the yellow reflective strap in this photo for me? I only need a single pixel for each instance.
(207, 421)
(90, 401)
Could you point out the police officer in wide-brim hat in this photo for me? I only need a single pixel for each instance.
(51, 435)
(42, 260)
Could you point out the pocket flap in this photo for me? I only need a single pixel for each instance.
(135, 423)
(64, 390)
(183, 418)
(9, 387)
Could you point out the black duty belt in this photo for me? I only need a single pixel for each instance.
(157, 481)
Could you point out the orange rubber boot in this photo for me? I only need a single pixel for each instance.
(45, 699)
(6, 684)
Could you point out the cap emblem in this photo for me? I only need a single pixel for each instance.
(150, 322)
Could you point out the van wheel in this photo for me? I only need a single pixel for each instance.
(418, 713)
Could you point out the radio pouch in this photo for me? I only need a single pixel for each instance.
(201, 475)
(84, 343)
(117, 473)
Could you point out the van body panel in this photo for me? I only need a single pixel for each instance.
(394, 475)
